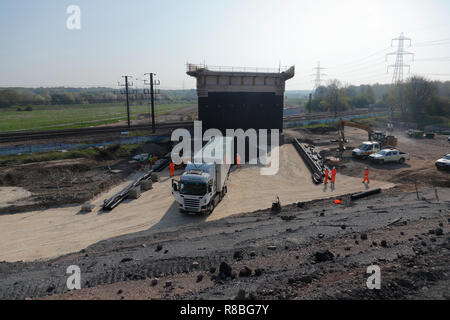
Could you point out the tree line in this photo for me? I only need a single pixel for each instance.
(414, 99)
(16, 97)
(419, 99)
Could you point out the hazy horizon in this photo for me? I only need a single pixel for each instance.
(350, 38)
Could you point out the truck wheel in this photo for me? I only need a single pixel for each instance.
(211, 207)
(401, 161)
(223, 193)
(381, 161)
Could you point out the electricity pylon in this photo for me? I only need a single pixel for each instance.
(399, 65)
(318, 74)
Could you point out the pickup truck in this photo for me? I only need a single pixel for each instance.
(389, 155)
(443, 163)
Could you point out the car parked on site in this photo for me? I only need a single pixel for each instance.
(443, 163)
(389, 155)
(366, 149)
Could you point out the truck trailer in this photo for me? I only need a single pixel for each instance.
(203, 185)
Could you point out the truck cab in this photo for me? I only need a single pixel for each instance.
(366, 149)
(196, 188)
(203, 185)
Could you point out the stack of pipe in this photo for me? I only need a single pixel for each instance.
(116, 199)
(312, 159)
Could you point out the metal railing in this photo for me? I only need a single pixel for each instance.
(196, 67)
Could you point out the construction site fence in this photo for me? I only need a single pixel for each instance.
(35, 148)
(302, 123)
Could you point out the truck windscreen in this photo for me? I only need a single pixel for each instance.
(193, 188)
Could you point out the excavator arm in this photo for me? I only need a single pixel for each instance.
(342, 124)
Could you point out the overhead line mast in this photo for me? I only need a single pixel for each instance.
(400, 53)
(127, 85)
(318, 74)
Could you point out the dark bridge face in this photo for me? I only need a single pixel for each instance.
(241, 110)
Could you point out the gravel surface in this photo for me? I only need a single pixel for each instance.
(314, 250)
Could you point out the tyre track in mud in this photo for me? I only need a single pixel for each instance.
(294, 231)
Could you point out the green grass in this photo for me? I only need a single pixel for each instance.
(372, 121)
(317, 125)
(425, 120)
(74, 116)
(118, 151)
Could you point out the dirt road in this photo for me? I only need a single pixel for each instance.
(53, 232)
(420, 169)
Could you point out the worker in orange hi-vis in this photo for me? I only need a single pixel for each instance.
(366, 176)
(333, 175)
(238, 160)
(327, 173)
(172, 169)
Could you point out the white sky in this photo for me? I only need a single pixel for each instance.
(134, 37)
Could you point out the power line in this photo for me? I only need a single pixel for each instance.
(433, 74)
(359, 61)
(434, 59)
(399, 65)
(365, 69)
(432, 42)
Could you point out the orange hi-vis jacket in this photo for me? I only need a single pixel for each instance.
(333, 175)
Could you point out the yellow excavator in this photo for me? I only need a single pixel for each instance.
(382, 138)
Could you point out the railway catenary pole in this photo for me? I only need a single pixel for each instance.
(127, 85)
(152, 83)
(310, 103)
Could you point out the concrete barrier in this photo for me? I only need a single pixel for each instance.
(135, 193)
(155, 177)
(146, 185)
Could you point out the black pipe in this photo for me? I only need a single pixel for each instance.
(312, 162)
(116, 199)
(361, 195)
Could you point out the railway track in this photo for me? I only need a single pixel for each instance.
(38, 135)
(323, 115)
(16, 136)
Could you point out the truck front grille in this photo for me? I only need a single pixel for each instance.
(192, 203)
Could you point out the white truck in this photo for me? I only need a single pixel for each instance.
(389, 155)
(202, 186)
(366, 149)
